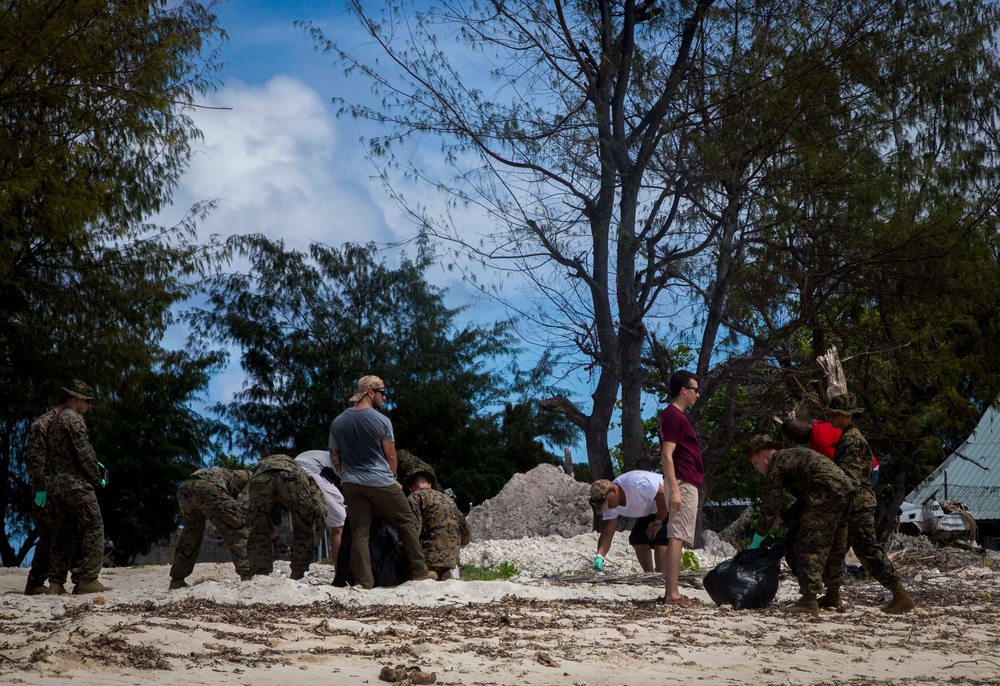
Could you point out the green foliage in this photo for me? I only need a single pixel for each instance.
(308, 326)
(504, 570)
(93, 137)
(150, 439)
(689, 561)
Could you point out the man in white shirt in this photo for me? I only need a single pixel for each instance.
(636, 494)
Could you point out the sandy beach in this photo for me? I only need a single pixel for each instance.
(527, 630)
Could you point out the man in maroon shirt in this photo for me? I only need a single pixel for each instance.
(680, 456)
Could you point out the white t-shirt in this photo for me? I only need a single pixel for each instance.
(640, 494)
(313, 462)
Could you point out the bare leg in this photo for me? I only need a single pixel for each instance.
(645, 557)
(672, 572)
(335, 535)
(660, 558)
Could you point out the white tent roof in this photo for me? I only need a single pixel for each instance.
(971, 474)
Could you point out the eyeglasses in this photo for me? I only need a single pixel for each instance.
(379, 390)
(693, 388)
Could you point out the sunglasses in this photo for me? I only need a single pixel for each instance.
(379, 390)
(594, 502)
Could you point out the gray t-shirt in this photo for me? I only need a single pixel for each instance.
(357, 435)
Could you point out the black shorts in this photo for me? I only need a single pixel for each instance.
(639, 537)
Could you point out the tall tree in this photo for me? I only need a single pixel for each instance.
(308, 326)
(572, 150)
(94, 133)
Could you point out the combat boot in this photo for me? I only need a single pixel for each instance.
(901, 601)
(89, 586)
(176, 584)
(296, 574)
(805, 605)
(35, 588)
(832, 600)
(56, 588)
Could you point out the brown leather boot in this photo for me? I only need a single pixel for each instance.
(35, 588)
(89, 586)
(832, 600)
(56, 588)
(901, 601)
(805, 605)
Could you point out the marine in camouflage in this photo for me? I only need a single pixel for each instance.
(854, 456)
(409, 465)
(71, 475)
(825, 493)
(279, 483)
(212, 495)
(443, 529)
(34, 458)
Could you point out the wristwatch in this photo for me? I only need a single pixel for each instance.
(658, 522)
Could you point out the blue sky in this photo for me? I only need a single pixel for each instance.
(277, 159)
(280, 162)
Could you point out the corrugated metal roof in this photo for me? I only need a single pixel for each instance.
(970, 475)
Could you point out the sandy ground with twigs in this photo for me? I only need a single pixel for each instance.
(527, 630)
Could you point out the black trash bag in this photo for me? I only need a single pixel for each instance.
(747, 581)
(390, 565)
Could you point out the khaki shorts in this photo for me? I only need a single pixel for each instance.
(681, 523)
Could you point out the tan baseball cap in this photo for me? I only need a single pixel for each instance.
(365, 384)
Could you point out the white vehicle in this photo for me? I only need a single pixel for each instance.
(930, 519)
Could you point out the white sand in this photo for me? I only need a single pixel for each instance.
(528, 630)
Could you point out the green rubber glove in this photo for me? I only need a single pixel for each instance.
(757, 540)
(598, 563)
(104, 482)
(40, 498)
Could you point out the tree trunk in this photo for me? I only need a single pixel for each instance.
(733, 534)
(633, 439)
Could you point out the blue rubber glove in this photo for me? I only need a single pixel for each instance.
(104, 482)
(757, 540)
(598, 562)
(40, 498)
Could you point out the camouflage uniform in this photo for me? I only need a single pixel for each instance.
(854, 456)
(34, 458)
(443, 529)
(279, 483)
(825, 492)
(71, 475)
(213, 495)
(409, 465)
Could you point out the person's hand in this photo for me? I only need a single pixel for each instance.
(757, 540)
(598, 563)
(104, 482)
(674, 502)
(40, 498)
(654, 528)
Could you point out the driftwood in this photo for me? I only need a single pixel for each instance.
(814, 402)
(733, 533)
(686, 578)
(833, 374)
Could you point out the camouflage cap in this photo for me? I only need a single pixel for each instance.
(599, 494)
(761, 442)
(78, 389)
(844, 404)
(365, 384)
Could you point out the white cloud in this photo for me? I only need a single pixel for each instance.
(278, 165)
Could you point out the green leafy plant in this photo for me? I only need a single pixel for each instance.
(689, 561)
(504, 570)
